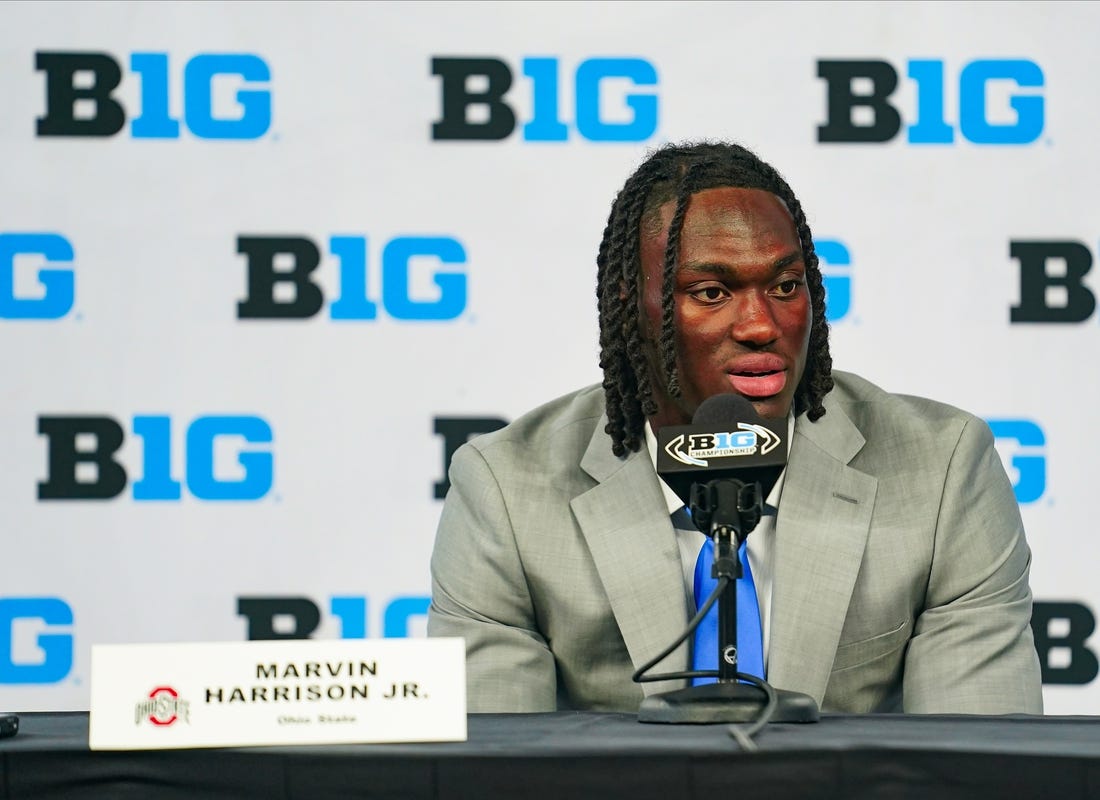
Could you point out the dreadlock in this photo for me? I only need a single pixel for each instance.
(676, 172)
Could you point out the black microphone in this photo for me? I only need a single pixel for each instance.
(719, 466)
(727, 439)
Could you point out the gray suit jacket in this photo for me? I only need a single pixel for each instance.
(900, 565)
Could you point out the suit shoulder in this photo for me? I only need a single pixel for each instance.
(567, 421)
(870, 406)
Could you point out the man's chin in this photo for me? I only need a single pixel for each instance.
(771, 407)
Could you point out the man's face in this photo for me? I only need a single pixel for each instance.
(742, 309)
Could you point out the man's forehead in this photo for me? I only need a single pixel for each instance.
(725, 207)
(655, 222)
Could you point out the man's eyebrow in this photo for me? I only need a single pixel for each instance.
(787, 260)
(725, 270)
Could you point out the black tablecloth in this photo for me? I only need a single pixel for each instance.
(577, 755)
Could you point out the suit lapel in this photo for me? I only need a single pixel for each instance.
(821, 531)
(625, 522)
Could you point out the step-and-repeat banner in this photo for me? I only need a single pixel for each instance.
(264, 266)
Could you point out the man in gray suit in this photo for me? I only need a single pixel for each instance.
(891, 565)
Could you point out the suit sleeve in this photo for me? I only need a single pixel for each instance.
(479, 593)
(972, 650)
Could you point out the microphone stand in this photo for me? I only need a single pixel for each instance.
(727, 510)
(720, 505)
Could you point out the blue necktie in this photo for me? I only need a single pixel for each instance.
(750, 640)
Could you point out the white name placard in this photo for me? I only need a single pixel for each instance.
(232, 694)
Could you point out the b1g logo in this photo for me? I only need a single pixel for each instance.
(280, 286)
(80, 97)
(864, 89)
(1061, 631)
(1022, 444)
(835, 263)
(1052, 285)
(480, 112)
(456, 431)
(300, 617)
(36, 641)
(51, 292)
(749, 440)
(81, 461)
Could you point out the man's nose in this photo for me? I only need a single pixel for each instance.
(754, 322)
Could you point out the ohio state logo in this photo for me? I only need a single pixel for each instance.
(164, 707)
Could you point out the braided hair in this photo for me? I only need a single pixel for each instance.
(676, 172)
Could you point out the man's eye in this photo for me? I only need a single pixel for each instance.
(710, 294)
(788, 287)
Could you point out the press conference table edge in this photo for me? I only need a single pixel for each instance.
(612, 754)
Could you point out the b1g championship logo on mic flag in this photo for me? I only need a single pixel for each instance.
(726, 439)
(694, 448)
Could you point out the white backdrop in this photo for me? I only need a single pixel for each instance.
(331, 136)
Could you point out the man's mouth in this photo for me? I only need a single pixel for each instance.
(758, 382)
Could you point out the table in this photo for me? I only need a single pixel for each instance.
(584, 754)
